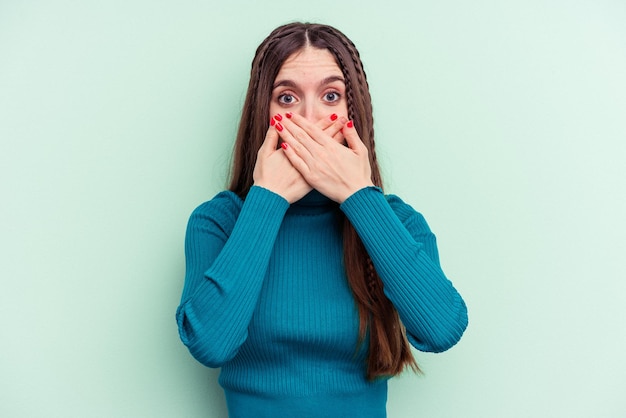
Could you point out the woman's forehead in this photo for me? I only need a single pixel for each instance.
(309, 60)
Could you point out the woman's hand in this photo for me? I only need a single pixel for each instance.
(274, 171)
(329, 166)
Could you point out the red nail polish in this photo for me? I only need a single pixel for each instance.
(279, 127)
(283, 145)
(272, 122)
(289, 115)
(278, 117)
(350, 124)
(333, 117)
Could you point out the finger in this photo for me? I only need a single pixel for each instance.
(335, 126)
(305, 131)
(296, 161)
(338, 137)
(295, 137)
(327, 121)
(352, 138)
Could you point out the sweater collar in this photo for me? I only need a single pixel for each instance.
(313, 202)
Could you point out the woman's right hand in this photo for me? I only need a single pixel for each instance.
(273, 170)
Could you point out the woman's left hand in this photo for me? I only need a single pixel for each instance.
(332, 168)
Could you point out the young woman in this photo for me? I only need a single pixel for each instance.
(304, 282)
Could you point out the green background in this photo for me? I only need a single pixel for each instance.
(503, 122)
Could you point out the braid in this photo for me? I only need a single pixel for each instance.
(373, 284)
(255, 79)
(364, 117)
(348, 81)
(361, 81)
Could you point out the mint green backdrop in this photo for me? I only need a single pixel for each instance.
(504, 122)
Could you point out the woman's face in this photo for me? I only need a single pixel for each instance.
(311, 84)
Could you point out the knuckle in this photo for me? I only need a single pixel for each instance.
(297, 147)
(299, 137)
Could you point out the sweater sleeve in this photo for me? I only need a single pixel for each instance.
(405, 256)
(226, 254)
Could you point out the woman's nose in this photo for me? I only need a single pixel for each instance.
(311, 112)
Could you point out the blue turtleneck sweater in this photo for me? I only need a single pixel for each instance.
(266, 299)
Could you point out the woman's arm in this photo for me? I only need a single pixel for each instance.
(404, 254)
(227, 250)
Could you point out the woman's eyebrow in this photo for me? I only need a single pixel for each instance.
(284, 83)
(332, 79)
(293, 85)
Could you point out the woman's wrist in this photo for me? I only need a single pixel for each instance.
(351, 191)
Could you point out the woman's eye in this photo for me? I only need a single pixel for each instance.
(332, 96)
(286, 99)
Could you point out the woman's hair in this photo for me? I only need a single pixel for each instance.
(389, 350)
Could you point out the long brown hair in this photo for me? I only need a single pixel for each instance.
(389, 350)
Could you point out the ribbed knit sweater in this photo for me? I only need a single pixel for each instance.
(266, 299)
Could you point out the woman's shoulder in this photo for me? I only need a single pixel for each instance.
(222, 209)
(222, 200)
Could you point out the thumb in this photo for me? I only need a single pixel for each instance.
(270, 143)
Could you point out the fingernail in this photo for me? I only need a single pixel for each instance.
(272, 122)
(289, 115)
(278, 117)
(333, 117)
(279, 127)
(283, 145)
(350, 124)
